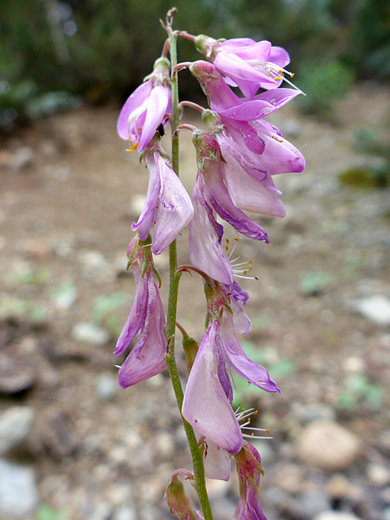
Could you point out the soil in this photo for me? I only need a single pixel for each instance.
(65, 218)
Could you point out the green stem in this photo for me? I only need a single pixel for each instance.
(174, 277)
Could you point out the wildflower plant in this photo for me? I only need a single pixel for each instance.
(237, 157)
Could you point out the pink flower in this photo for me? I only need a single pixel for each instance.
(148, 107)
(245, 63)
(168, 206)
(209, 394)
(146, 359)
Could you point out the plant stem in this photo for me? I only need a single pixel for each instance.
(174, 277)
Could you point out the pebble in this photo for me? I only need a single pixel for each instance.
(18, 490)
(103, 511)
(22, 158)
(65, 296)
(374, 308)
(90, 333)
(378, 474)
(327, 445)
(313, 503)
(125, 513)
(336, 515)
(15, 425)
(386, 514)
(338, 486)
(106, 387)
(290, 478)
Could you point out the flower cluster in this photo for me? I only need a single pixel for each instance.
(237, 158)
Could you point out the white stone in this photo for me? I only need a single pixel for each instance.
(22, 158)
(90, 334)
(106, 387)
(18, 490)
(329, 446)
(375, 308)
(336, 515)
(378, 474)
(15, 425)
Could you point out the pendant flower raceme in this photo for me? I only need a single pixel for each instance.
(146, 359)
(245, 63)
(168, 206)
(148, 107)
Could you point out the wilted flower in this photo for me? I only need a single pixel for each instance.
(148, 107)
(178, 501)
(245, 63)
(209, 394)
(167, 205)
(146, 359)
(249, 471)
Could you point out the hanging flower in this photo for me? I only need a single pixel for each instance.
(146, 359)
(247, 64)
(148, 107)
(209, 394)
(168, 205)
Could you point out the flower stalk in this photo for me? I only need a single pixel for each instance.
(174, 277)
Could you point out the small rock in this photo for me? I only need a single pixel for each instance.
(354, 365)
(106, 387)
(386, 514)
(57, 434)
(327, 445)
(290, 478)
(375, 308)
(103, 511)
(90, 334)
(313, 502)
(136, 205)
(165, 444)
(93, 263)
(378, 474)
(65, 296)
(18, 490)
(15, 425)
(125, 513)
(338, 487)
(15, 375)
(22, 158)
(335, 515)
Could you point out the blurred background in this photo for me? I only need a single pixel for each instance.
(72, 445)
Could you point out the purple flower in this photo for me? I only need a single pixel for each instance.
(240, 128)
(224, 101)
(209, 394)
(249, 471)
(247, 64)
(231, 183)
(146, 359)
(178, 502)
(167, 205)
(148, 107)
(205, 235)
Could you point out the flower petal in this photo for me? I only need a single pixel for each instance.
(135, 100)
(239, 361)
(205, 404)
(157, 106)
(149, 212)
(175, 208)
(205, 249)
(147, 357)
(137, 314)
(216, 461)
(247, 193)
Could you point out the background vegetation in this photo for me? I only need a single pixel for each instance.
(54, 53)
